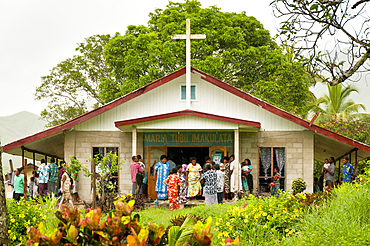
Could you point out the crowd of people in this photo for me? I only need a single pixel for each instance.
(187, 182)
(328, 174)
(46, 181)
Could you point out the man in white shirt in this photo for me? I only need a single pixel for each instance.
(235, 178)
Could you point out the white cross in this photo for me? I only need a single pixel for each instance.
(188, 37)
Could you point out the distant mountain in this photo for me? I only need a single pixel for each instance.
(17, 126)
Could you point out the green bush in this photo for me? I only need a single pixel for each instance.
(260, 220)
(23, 215)
(298, 185)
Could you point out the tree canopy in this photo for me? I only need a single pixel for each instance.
(237, 50)
(335, 34)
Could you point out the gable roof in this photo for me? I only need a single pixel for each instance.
(206, 77)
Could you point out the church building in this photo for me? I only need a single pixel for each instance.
(210, 118)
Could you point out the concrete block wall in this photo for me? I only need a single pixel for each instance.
(80, 144)
(299, 153)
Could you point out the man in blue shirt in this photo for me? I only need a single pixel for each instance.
(347, 170)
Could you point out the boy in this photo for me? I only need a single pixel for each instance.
(276, 183)
(18, 184)
(220, 183)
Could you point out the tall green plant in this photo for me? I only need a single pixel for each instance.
(106, 168)
(337, 105)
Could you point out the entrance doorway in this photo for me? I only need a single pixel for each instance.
(181, 155)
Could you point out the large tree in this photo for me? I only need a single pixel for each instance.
(335, 34)
(74, 83)
(237, 50)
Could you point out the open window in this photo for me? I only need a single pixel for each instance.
(270, 158)
(101, 152)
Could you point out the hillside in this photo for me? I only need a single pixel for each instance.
(17, 126)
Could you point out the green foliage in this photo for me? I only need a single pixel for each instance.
(356, 129)
(73, 167)
(75, 81)
(237, 50)
(343, 221)
(336, 105)
(309, 200)
(260, 220)
(23, 215)
(298, 185)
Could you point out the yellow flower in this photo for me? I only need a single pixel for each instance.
(14, 238)
(227, 224)
(9, 231)
(34, 218)
(286, 230)
(12, 220)
(264, 214)
(269, 217)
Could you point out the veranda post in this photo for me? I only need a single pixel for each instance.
(4, 235)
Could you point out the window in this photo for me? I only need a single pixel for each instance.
(192, 92)
(270, 158)
(101, 152)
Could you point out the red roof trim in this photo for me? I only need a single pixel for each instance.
(187, 112)
(93, 113)
(174, 75)
(282, 113)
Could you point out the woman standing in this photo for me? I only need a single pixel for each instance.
(226, 163)
(162, 169)
(210, 185)
(193, 172)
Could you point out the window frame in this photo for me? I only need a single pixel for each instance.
(195, 92)
(272, 164)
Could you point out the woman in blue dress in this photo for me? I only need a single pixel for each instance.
(161, 170)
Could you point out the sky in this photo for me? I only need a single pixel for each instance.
(37, 35)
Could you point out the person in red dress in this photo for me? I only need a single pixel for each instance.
(173, 182)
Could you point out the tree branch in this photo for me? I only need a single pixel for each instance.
(352, 70)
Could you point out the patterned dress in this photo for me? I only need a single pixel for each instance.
(162, 175)
(210, 187)
(227, 178)
(194, 187)
(173, 182)
(181, 198)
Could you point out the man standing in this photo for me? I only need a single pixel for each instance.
(53, 181)
(347, 170)
(235, 178)
(329, 173)
(135, 168)
(43, 172)
(18, 184)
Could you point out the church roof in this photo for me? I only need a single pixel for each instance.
(55, 131)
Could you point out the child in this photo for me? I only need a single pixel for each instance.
(220, 183)
(30, 188)
(276, 183)
(327, 164)
(18, 184)
(36, 185)
(173, 182)
(245, 170)
(183, 189)
(65, 186)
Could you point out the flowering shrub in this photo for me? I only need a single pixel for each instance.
(22, 216)
(298, 185)
(270, 216)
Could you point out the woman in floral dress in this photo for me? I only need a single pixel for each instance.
(193, 172)
(173, 183)
(181, 198)
(226, 163)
